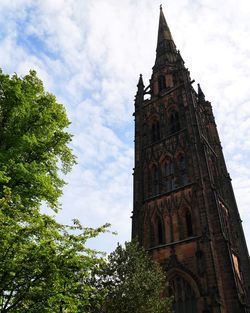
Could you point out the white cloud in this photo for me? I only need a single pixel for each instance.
(90, 54)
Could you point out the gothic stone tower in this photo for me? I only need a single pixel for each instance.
(184, 211)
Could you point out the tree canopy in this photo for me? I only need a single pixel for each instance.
(135, 283)
(33, 141)
(45, 266)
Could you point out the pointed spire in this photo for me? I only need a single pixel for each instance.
(140, 92)
(166, 49)
(201, 95)
(140, 82)
(163, 30)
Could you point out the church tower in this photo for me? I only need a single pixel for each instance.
(185, 213)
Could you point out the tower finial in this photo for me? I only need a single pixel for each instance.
(201, 95)
(140, 84)
(160, 6)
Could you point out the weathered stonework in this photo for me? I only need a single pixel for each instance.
(184, 211)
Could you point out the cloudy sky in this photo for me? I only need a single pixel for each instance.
(89, 53)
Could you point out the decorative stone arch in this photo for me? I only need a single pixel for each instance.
(179, 153)
(161, 80)
(181, 162)
(148, 230)
(157, 221)
(173, 118)
(154, 179)
(167, 223)
(153, 116)
(177, 271)
(154, 128)
(187, 222)
(167, 172)
(184, 289)
(184, 203)
(171, 104)
(160, 228)
(165, 155)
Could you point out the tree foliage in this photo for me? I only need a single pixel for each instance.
(45, 266)
(33, 142)
(135, 283)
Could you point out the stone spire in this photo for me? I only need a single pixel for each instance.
(166, 49)
(201, 95)
(140, 92)
(140, 84)
(164, 33)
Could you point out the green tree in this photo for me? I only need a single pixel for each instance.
(33, 142)
(45, 266)
(135, 283)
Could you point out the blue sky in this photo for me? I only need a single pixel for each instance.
(89, 53)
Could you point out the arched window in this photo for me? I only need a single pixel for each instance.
(189, 224)
(155, 180)
(161, 83)
(155, 131)
(184, 299)
(160, 231)
(168, 175)
(182, 165)
(182, 162)
(168, 167)
(174, 122)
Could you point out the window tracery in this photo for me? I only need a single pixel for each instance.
(184, 299)
(168, 174)
(182, 168)
(174, 122)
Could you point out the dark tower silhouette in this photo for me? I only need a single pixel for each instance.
(185, 213)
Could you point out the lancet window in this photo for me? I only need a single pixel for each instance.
(174, 122)
(168, 175)
(155, 180)
(182, 166)
(189, 224)
(161, 83)
(155, 131)
(160, 231)
(184, 299)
